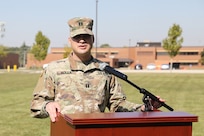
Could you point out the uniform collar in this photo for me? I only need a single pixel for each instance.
(84, 66)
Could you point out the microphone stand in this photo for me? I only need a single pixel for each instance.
(147, 95)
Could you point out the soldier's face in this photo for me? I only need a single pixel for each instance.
(81, 44)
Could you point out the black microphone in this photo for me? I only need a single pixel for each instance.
(110, 70)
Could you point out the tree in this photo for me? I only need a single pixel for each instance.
(40, 48)
(22, 54)
(202, 57)
(172, 43)
(105, 45)
(2, 51)
(67, 51)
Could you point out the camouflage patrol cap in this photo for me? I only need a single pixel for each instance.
(80, 25)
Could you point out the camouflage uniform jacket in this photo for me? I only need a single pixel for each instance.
(78, 87)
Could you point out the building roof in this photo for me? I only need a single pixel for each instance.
(125, 60)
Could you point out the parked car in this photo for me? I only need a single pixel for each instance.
(165, 67)
(138, 67)
(151, 66)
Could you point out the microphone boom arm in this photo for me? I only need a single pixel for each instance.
(145, 92)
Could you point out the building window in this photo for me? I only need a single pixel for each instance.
(189, 63)
(180, 53)
(145, 53)
(114, 53)
(162, 53)
(188, 53)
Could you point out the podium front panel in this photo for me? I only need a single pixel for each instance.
(122, 124)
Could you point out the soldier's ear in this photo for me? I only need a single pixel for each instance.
(93, 39)
(69, 40)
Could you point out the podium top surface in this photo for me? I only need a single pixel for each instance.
(129, 117)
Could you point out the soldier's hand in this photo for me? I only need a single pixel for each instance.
(52, 108)
(155, 104)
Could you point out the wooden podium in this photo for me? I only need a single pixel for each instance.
(124, 124)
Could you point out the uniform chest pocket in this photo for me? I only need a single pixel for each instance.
(80, 84)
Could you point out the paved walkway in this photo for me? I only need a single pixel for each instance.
(121, 70)
(161, 71)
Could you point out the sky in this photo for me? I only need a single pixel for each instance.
(119, 23)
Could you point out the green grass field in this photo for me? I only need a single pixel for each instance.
(183, 92)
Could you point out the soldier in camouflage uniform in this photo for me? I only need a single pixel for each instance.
(76, 84)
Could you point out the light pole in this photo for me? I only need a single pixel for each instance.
(129, 52)
(24, 58)
(2, 29)
(96, 35)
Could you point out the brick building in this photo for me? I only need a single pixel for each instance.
(143, 53)
(11, 60)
